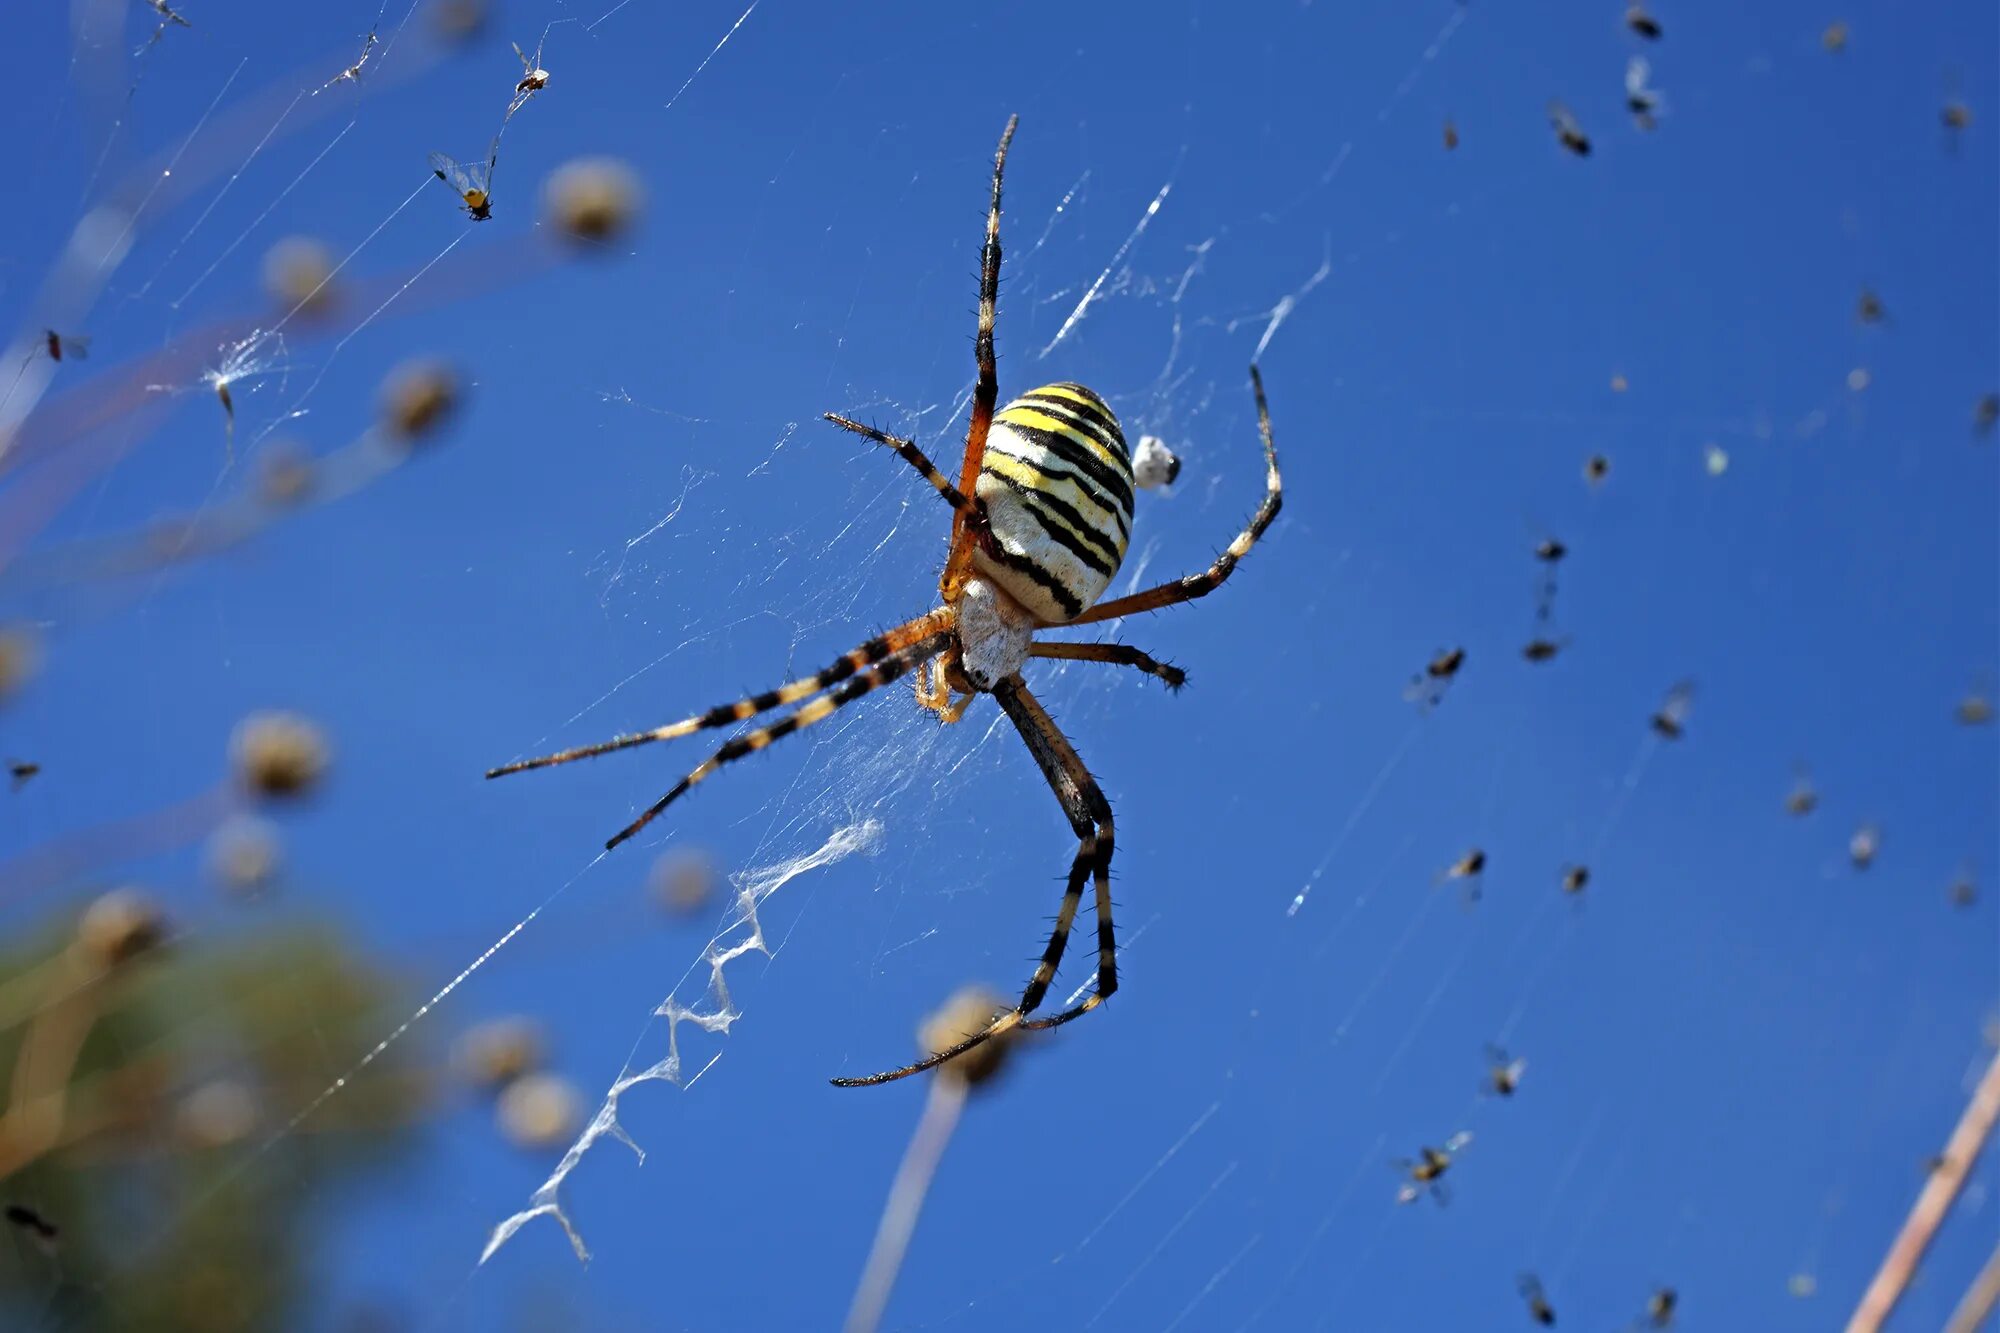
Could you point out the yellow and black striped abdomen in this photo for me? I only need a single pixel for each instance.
(1057, 482)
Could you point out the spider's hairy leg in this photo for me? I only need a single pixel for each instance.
(986, 392)
(908, 451)
(723, 715)
(889, 669)
(1090, 816)
(1117, 654)
(1191, 586)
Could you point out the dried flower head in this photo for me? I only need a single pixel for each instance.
(278, 755)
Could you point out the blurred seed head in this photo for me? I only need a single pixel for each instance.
(1834, 38)
(20, 658)
(218, 1113)
(285, 474)
(1986, 412)
(682, 881)
(1863, 846)
(1858, 379)
(460, 20)
(279, 755)
(418, 398)
(592, 200)
(244, 855)
(298, 275)
(1956, 115)
(118, 927)
(968, 1012)
(495, 1053)
(539, 1111)
(1619, 384)
(1715, 458)
(1974, 710)
(1802, 1285)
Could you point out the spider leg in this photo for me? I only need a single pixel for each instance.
(1191, 586)
(889, 669)
(1117, 654)
(915, 457)
(1090, 816)
(986, 392)
(722, 715)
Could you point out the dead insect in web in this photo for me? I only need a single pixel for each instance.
(1539, 1308)
(1450, 134)
(1426, 1173)
(472, 182)
(1596, 468)
(42, 1231)
(60, 346)
(1503, 1076)
(1864, 845)
(1868, 307)
(1985, 413)
(1568, 132)
(1576, 879)
(1834, 39)
(1671, 721)
(1153, 464)
(1642, 101)
(1541, 650)
(1550, 551)
(22, 771)
(1639, 20)
(167, 16)
(352, 74)
(1803, 798)
(533, 77)
(1429, 685)
(1660, 1307)
(1467, 869)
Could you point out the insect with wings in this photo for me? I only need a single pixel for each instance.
(472, 182)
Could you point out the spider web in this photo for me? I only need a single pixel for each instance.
(639, 516)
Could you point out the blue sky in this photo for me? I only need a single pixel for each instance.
(1740, 1050)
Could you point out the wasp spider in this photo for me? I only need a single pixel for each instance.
(1041, 514)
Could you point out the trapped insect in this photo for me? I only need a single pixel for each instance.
(1041, 516)
(533, 77)
(352, 74)
(1641, 21)
(60, 346)
(1503, 1076)
(1671, 721)
(1568, 132)
(1428, 686)
(1539, 1308)
(472, 182)
(1426, 1173)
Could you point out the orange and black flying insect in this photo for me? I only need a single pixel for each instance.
(472, 182)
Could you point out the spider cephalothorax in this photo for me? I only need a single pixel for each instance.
(1041, 517)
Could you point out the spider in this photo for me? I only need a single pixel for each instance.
(1041, 515)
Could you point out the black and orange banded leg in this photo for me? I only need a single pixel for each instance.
(986, 391)
(1188, 588)
(883, 672)
(1090, 816)
(972, 510)
(723, 715)
(1117, 654)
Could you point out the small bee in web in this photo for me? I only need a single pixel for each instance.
(1642, 101)
(1863, 846)
(533, 77)
(22, 771)
(1539, 1308)
(1503, 1076)
(1428, 686)
(1803, 798)
(352, 74)
(1576, 878)
(1660, 1307)
(1450, 134)
(472, 182)
(1426, 1174)
(1568, 132)
(60, 346)
(42, 1231)
(1986, 413)
(1468, 869)
(1596, 468)
(1868, 307)
(1641, 21)
(1671, 721)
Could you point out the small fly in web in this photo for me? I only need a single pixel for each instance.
(1041, 516)
(472, 182)
(352, 74)
(60, 346)
(533, 77)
